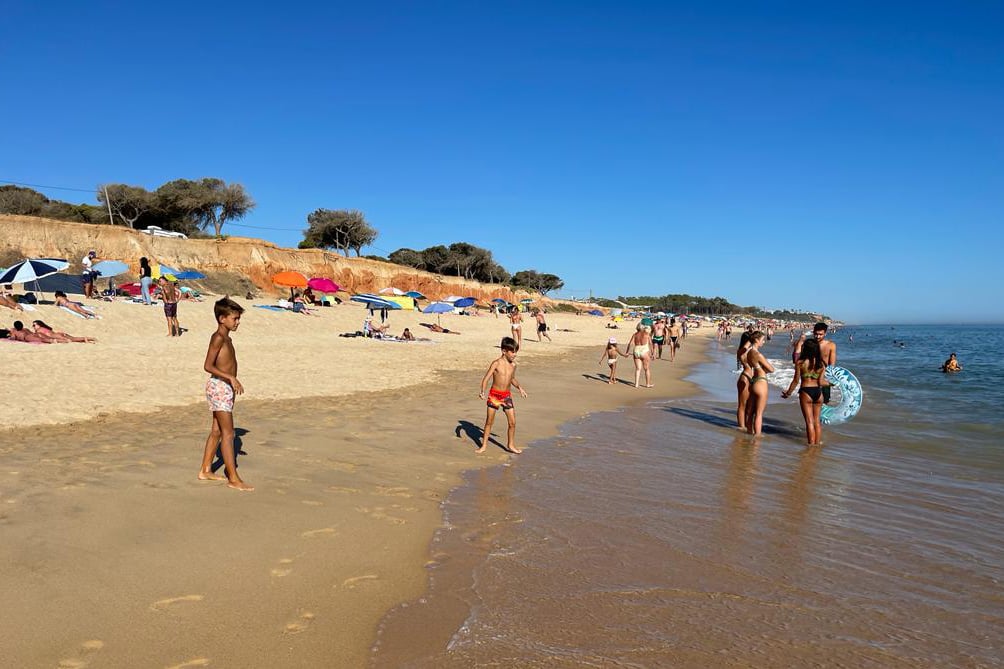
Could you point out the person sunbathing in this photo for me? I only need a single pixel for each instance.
(436, 327)
(75, 307)
(9, 302)
(20, 334)
(407, 336)
(373, 330)
(46, 332)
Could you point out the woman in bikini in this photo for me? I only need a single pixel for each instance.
(743, 382)
(516, 325)
(759, 368)
(639, 346)
(809, 372)
(46, 332)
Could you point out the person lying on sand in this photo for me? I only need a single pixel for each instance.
(20, 334)
(46, 332)
(436, 327)
(9, 302)
(76, 307)
(407, 336)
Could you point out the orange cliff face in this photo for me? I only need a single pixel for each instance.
(257, 260)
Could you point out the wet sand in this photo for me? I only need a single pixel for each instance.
(115, 555)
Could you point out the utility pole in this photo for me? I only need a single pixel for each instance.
(108, 201)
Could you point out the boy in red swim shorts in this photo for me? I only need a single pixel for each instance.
(502, 372)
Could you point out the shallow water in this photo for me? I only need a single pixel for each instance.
(660, 536)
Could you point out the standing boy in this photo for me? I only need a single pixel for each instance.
(222, 387)
(829, 352)
(502, 372)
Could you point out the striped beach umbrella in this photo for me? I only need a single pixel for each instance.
(30, 270)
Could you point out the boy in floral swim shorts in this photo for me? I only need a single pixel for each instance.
(222, 387)
(502, 372)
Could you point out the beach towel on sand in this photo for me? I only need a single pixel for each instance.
(270, 307)
(71, 311)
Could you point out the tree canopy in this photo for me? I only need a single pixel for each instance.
(458, 259)
(534, 280)
(711, 306)
(338, 229)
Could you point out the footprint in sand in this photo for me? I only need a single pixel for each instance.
(378, 513)
(163, 604)
(356, 580)
(321, 532)
(301, 624)
(283, 569)
(311, 502)
(197, 662)
(342, 489)
(392, 492)
(87, 649)
(159, 486)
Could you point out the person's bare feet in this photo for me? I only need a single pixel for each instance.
(513, 449)
(480, 449)
(240, 485)
(210, 476)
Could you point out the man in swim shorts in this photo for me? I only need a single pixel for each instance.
(674, 336)
(659, 335)
(541, 325)
(829, 352)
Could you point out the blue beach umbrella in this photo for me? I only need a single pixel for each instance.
(438, 308)
(30, 270)
(374, 302)
(464, 302)
(189, 275)
(594, 312)
(415, 295)
(110, 268)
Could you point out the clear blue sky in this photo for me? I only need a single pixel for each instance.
(844, 157)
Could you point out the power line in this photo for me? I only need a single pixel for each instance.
(21, 183)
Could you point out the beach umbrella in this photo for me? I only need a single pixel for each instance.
(110, 268)
(394, 291)
(499, 300)
(374, 302)
(290, 280)
(526, 300)
(190, 275)
(415, 295)
(464, 302)
(162, 270)
(32, 269)
(452, 298)
(594, 312)
(438, 308)
(323, 285)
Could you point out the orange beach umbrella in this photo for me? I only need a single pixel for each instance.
(290, 280)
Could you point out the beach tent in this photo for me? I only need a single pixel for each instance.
(68, 283)
(403, 301)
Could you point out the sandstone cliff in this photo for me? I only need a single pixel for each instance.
(229, 264)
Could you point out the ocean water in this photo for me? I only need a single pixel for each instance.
(660, 536)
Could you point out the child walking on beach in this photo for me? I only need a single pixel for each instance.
(612, 353)
(221, 389)
(502, 372)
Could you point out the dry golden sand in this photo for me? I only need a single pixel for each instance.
(115, 555)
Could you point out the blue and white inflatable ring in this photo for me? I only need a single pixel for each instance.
(846, 397)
